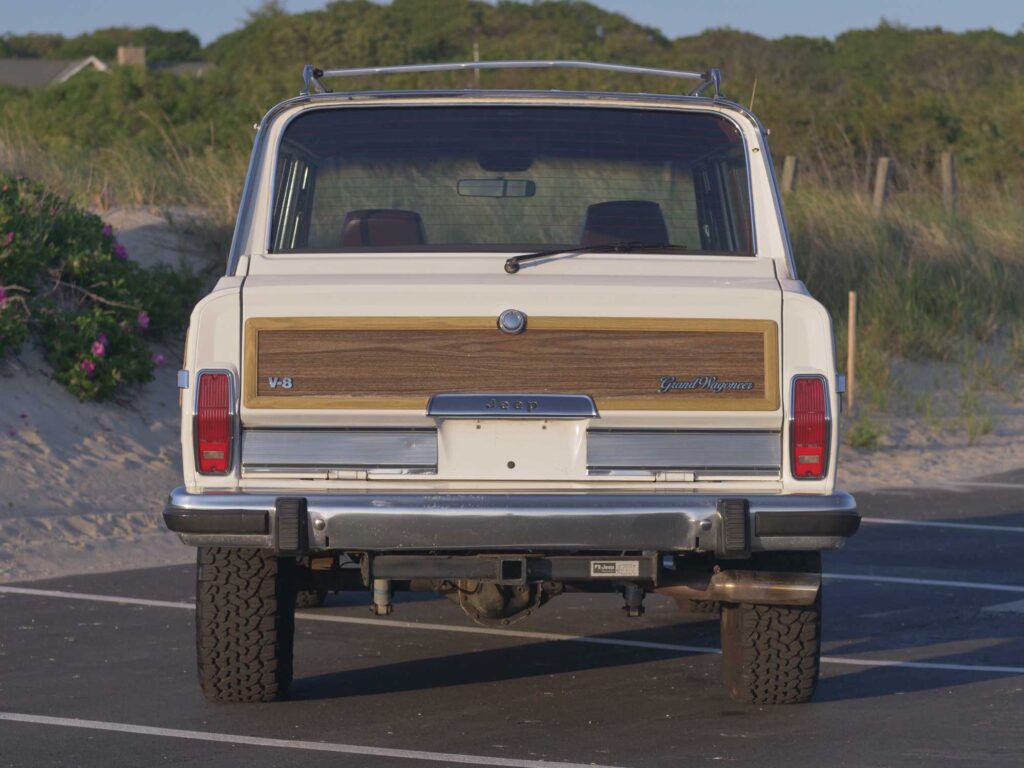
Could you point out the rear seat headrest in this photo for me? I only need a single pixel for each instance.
(382, 227)
(624, 220)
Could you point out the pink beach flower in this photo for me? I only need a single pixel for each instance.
(99, 349)
(3, 297)
(102, 338)
(158, 360)
(143, 320)
(89, 367)
(120, 251)
(108, 231)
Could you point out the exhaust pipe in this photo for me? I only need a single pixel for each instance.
(381, 597)
(764, 587)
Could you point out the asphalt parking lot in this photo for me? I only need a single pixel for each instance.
(924, 639)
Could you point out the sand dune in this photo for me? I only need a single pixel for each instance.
(75, 477)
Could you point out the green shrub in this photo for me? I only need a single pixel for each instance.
(864, 433)
(65, 279)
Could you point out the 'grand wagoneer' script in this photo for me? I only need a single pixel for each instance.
(703, 383)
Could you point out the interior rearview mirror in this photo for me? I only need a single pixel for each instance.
(496, 188)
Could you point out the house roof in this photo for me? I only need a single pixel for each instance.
(38, 73)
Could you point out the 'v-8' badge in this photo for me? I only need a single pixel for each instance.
(280, 382)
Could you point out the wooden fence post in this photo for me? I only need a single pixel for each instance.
(949, 182)
(851, 352)
(881, 191)
(476, 57)
(790, 168)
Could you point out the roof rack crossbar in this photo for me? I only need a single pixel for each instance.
(313, 77)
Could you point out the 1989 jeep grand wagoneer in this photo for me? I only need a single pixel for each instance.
(504, 345)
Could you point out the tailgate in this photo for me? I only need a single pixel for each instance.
(684, 369)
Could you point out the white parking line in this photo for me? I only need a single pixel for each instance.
(94, 598)
(938, 524)
(544, 636)
(984, 484)
(1017, 606)
(925, 582)
(313, 746)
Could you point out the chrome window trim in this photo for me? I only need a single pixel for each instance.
(364, 99)
(232, 414)
(780, 215)
(241, 236)
(828, 426)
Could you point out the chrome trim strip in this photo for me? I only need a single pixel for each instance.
(659, 522)
(270, 450)
(512, 406)
(695, 475)
(717, 451)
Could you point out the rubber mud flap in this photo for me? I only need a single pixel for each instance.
(734, 532)
(292, 526)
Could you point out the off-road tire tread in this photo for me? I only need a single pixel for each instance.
(770, 653)
(245, 624)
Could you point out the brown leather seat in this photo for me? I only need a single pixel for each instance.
(381, 228)
(624, 221)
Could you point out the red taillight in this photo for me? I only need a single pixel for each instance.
(213, 423)
(809, 431)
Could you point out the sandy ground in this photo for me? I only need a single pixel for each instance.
(915, 455)
(82, 485)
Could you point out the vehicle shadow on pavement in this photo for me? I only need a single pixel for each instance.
(876, 682)
(510, 662)
(523, 660)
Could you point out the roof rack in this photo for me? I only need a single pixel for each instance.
(313, 77)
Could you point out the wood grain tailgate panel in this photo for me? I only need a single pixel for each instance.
(401, 362)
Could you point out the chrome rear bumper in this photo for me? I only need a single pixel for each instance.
(730, 526)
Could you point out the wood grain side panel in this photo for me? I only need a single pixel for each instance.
(400, 362)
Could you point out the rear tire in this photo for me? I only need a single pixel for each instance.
(245, 624)
(771, 654)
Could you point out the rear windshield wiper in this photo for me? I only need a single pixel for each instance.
(625, 246)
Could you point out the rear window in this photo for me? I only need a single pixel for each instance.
(471, 178)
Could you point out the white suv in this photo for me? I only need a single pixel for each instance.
(500, 344)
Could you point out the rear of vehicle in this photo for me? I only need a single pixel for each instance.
(646, 403)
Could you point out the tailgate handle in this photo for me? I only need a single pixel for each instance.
(512, 406)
